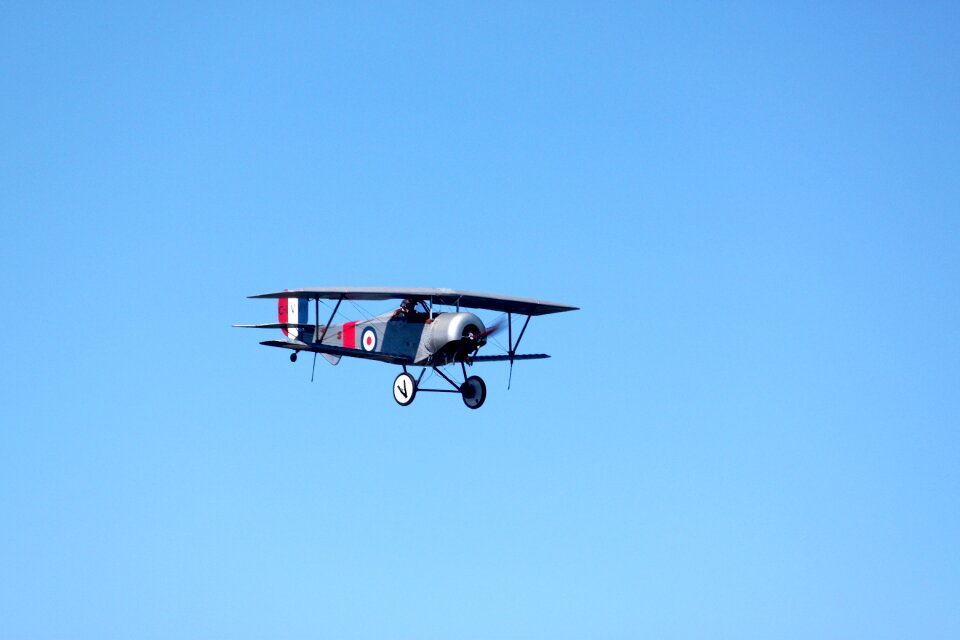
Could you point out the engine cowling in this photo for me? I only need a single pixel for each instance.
(449, 329)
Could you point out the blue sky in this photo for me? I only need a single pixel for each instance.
(750, 430)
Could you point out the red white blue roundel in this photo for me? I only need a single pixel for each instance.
(369, 339)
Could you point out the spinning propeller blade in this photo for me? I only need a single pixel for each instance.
(492, 329)
(473, 342)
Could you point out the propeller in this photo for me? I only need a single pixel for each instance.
(492, 329)
(489, 331)
(474, 341)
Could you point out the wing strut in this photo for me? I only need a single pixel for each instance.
(317, 318)
(513, 347)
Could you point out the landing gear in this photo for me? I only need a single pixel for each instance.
(404, 389)
(293, 357)
(474, 392)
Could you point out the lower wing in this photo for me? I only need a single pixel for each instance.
(296, 345)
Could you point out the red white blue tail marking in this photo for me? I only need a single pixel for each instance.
(292, 310)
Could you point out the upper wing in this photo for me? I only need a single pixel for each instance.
(450, 297)
(296, 345)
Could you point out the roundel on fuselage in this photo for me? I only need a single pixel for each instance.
(368, 339)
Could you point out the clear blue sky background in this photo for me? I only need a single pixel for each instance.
(749, 431)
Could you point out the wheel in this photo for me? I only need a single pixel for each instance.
(474, 392)
(404, 389)
(293, 357)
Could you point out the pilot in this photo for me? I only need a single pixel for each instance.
(405, 310)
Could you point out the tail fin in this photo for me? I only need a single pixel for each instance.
(292, 310)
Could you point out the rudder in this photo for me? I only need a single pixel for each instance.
(293, 311)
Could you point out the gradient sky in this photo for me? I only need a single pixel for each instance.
(750, 430)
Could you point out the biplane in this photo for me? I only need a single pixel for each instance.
(430, 330)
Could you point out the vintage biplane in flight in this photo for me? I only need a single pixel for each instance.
(418, 334)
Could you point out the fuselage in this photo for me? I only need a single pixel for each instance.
(427, 339)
